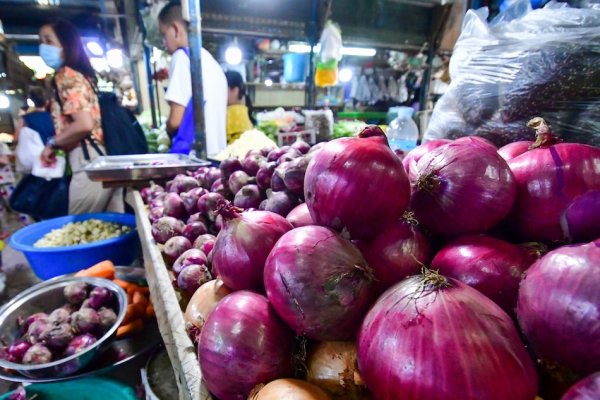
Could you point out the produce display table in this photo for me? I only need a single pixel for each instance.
(182, 351)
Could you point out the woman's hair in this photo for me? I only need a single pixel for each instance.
(73, 51)
(235, 80)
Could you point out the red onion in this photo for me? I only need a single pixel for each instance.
(290, 155)
(37, 354)
(287, 389)
(243, 343)
(151, 192)
(548, 178)
(301, 146)
(17, 350)
(100, 297)
(156, 213)
(461, 189)
(280, 203)
(412, 158)
(190, 199)
(175, 247)
(300, 216)
(357, 184)
(165, 228)
(476, 141)
(197, 217)
(228, 167)
(36, 329)
(316, 148)
(434, 338)
(174, 206)
(217, 186)
(558, 307)
(79, 344)
(275, 154)
(264, 174)
(293, 175)
(193, 230)
(76, 292)
(398, 251)
(581, 220)
(586, 389)
(318, 283)
(189, 257)
(201, 304)
(252, 163)
(208, 205)
(248, 197)
(57, 337)
(238, 180)
(205, 241)
(514, 149)
(107, 318)
(252, 153)
(490, 265)
(243, 246)
(211, 177)
(157, 202)
(266, 150)
(277, 184)
(192, 277)
(59, 316)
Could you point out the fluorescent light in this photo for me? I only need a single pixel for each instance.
(233, 55)
(99, 64)
(298, 48)
(37, 65)
(268, 82)
(95, 48)
(345, 75)
(358, 51)
(30, 103)
(114, 57)
(4, 101)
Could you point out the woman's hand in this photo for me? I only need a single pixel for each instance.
(48, 157)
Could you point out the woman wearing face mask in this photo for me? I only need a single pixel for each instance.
(76, 115)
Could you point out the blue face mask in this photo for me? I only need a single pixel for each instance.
(51, 55)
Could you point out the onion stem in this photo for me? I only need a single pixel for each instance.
(544, 135)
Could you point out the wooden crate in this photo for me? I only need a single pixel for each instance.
(182, 351)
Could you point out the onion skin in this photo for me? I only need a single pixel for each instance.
(201, 304)
(357, 184)
(426, 340)
(318, 283)
(300, 216)
(175, 247)
(248, 197)
(412, 157)
(192, 277)
(396, 253)
(548, 178)
(490, 265)
(476, 141)
(514, 149)
(165, 228)
(586, 389)
(243, 343)
(264, 174)
(333, 367)
(288, 389)
(462, 189)
(243, 245)
(280, 203)
(558, 307)
(581, 220)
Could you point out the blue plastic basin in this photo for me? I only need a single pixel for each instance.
(81, 389)
(49, 262)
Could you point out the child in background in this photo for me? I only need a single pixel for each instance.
(7, 186)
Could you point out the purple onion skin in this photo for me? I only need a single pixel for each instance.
(107, 318)
(248, 197)
(318, 283)
(301, 146)
(151, 192)
(490, 265)
(175, 247)
(265, 151)
(300, 216)
(264, 174)
(252, 164)
(242, 325)
(174, 206)
(581, 220)
(397, 252)
(190, 199)
(281, 203)
(59, 316)
(357, 184)
(197, 217)
(79, 344)
(100, 297)
(228, 167)
(190, 257)
(85, 320)
(208, 205)
(193, 230)
(514, 149)
(165, 228)
(412, 157)
(192, 277)
(210, 177)
(316, 148)
(415, 328)
(158, 202)
(202, 239)
(76, 292)
(37, 354)
(238, 180)
(239, 257)
(462, 189)
(57, 337)
(275, 154)
(17, 350)
(586, 389)
(252, 153)
(558, 307)
(156, 213)
(184, 183)
(476, 141)
(293, 175)
(36, 330)
(287, 157)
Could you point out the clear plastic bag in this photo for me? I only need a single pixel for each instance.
(523, 64)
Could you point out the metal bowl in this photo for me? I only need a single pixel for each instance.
(46, 297)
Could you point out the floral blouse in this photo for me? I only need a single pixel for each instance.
(76, 94)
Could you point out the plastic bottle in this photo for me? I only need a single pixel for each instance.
(403, 132)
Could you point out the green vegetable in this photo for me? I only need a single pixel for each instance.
(347, 128)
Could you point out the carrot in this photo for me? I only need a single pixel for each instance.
(124, 284)
(133, 312)
(139, 298)
(131, 328)
(149, 311)
(104, 269)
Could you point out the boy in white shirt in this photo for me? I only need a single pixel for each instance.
(179, 92)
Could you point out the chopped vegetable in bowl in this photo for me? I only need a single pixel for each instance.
(75, 233)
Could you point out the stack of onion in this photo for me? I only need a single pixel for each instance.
(586, 389)
(434, 338)
(581, 220)
(357, 184)
(558, 307)
(412, 158)
(201, 304)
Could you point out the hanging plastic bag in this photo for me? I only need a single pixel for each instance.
(326, 73)
(525, 63)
